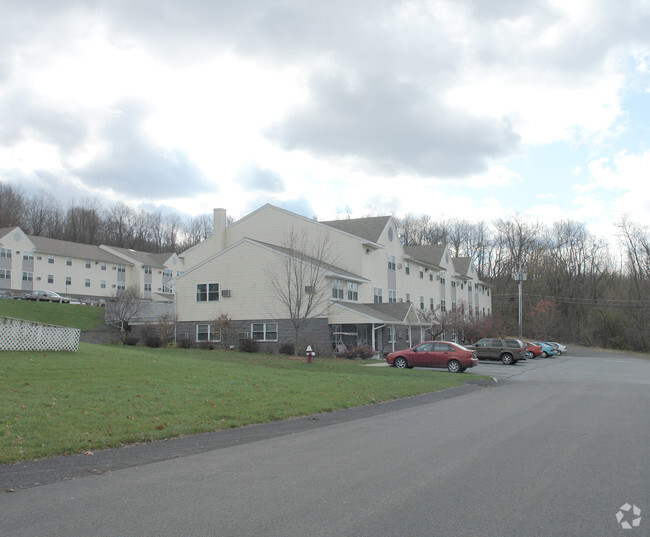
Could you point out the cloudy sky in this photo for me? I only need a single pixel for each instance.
(447, 108)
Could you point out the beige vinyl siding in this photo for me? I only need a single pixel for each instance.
(243, 270)
(272, 225)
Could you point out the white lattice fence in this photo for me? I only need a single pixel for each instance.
(19, 335)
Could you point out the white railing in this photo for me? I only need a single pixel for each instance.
(19, 335)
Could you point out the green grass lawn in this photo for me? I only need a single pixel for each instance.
(110, 395)
(83, 317)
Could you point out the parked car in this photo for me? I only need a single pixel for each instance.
(47, 296)
(547, 350)
(452, 356)
(509, 351)
(532, 350)
(559, 348)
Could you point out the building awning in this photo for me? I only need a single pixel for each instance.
(393, 313)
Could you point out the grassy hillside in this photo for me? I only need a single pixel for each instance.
(109, 395)
(86, 318)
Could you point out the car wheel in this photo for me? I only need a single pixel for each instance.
(545, 354)
(558, 352)
(400, 362)
(506, 358)
(530, 355)
(453, 366)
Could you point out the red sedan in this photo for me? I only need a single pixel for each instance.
(452, 356)
(532, 350)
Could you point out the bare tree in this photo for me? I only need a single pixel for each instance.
(122, 309)
(12, 206)
(299, 281)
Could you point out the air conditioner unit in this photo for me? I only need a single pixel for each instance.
(399, 266)
(39, 258)
(226, 293)
(38, 278)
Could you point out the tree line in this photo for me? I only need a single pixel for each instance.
(578, 288)
(91, 222)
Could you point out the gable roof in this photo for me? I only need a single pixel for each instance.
(369, 228)
(77, 250)
(429, 254)
(334, 270)
(390, 312)
(146, 258)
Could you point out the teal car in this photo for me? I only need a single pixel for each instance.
(547, 350)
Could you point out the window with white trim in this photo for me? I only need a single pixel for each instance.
(68, 262)
(121, 286)
(431, 306)
(353, 291)
(28, 276)
(391, 334)
(28, 256)
(147, 286)
(204, 332)
(407, 268)
(121, 268)
(421, 302)
(68, 280)
(88, 263)
(443, 306)
(337, 289)
(50, 259)
(378, 295)
(87, 282)
(5, 252)
(102, 284)
(408, 297)
(147, 269)
(50, 278)
(5, 274)
(392, 295)
(207, 292)
(391, 262)
(264, 331)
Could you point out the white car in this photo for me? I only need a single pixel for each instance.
(560, 349)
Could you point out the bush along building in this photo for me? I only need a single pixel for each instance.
(280, 279)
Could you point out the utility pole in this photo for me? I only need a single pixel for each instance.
(520, 277)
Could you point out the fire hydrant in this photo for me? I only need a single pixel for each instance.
(310, 354)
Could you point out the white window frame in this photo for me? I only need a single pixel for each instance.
(337, 289)
(265, 330)
(209, 294)
(377, 294)
(201, 329)
(353, 291)
(5, 274)
(392, 295)
(28, 276)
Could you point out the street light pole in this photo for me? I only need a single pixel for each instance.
(520, 276)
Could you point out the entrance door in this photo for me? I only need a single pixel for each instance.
(362, 336)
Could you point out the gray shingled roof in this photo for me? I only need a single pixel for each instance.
(391, 312)
(146, 258)
(73, 249)
(462, 264)
(369, 228)
(428, 254)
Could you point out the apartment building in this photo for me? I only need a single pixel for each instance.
(29, 263)
(376, 288)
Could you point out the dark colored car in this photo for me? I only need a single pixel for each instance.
(452, 356)
(47, 296)
(509, 351)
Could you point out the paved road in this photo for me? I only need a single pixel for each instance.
(555, 449)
